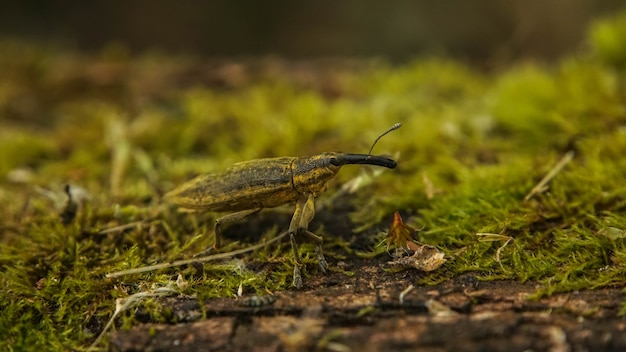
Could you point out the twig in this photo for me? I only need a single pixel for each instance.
(541, 186)
(493, 237)
(405, 292)
(195, 260)
(127, 226)
(123, 304)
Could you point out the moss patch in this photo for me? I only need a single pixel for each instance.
(124, 130)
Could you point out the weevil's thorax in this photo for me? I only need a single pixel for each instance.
(311, 174)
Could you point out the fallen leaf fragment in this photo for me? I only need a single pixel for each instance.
(400, 234)
(424, 258)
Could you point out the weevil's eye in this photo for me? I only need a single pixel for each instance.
(333, 161)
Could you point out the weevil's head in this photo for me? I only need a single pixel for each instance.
(311, 175)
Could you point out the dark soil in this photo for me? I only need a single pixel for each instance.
(365, 313)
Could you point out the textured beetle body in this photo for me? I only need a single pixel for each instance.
(250, 186)
(263, 183)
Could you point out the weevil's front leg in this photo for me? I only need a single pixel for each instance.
(321, 261)
(293, 229)
(308, 212)
(304, 213)
(225, 220)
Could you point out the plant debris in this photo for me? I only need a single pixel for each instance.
(424, 258)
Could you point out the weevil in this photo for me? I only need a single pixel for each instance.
(249, 186)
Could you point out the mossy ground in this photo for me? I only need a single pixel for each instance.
(123, 129)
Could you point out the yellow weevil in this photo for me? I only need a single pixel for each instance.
(249, 186)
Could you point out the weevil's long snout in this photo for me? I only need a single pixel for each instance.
(341, 159)
(345, 159)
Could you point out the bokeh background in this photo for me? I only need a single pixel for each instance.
(484, 32)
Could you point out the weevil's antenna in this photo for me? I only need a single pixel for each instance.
(393, 128)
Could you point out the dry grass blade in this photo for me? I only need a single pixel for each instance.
(542, 185)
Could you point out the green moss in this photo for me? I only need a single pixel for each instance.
(20, 149)
(607, 40)
(472, 147)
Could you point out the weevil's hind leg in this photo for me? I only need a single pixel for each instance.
(230, 219)
(225, 220)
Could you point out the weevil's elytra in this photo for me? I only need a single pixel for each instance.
(261, 183)
(250, 186)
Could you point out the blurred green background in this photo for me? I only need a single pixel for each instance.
(484, 31)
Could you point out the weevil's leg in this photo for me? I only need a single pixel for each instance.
(308, 212)
(230, 219)
(319, 240)
(225, 220)
(297, 277)
(293, 229)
